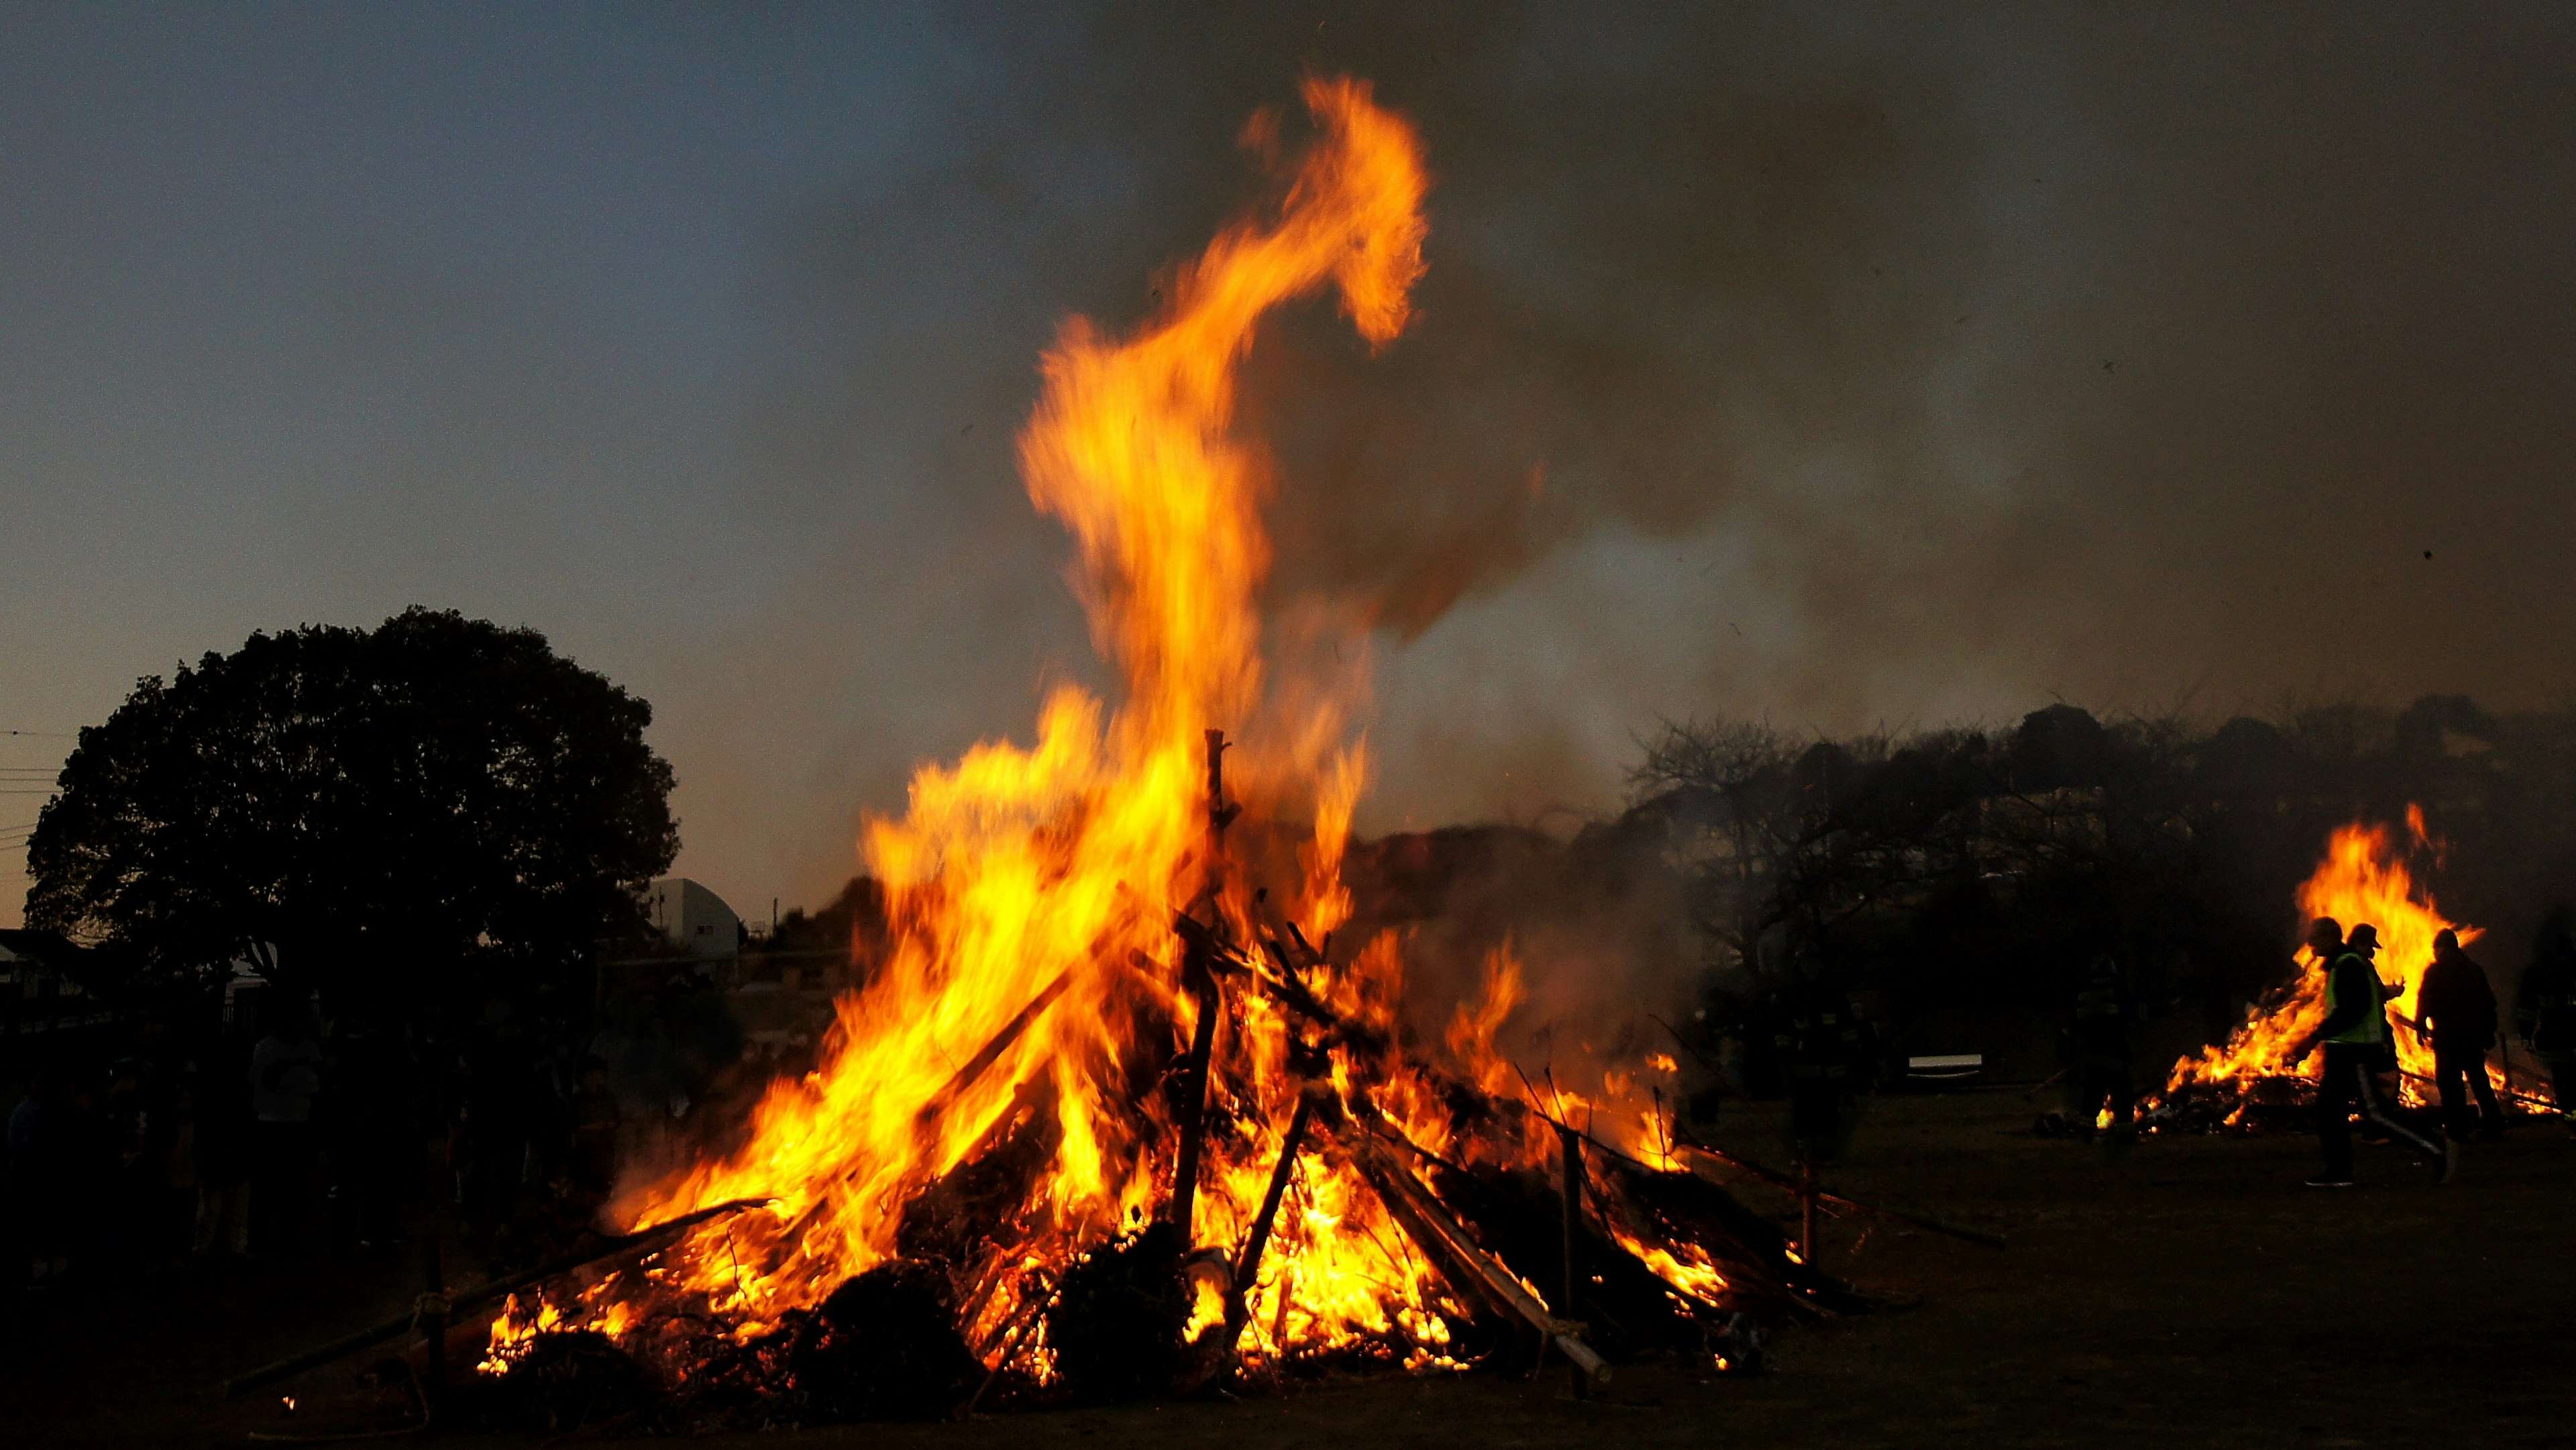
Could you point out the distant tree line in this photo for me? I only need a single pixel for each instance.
(1975, 867)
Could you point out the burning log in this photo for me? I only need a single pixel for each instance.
(660, 1236)
(974, 1204)
(1569, 1147)
(1040, 1298)
(1633, 1308)
(1198, 974)
(1468, 1267)
(976, 1066)
(1199, 954)
(1247, 1268)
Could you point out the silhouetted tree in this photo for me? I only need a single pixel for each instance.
(438, 803)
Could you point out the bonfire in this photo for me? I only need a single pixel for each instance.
(2363, 878)
(1124, 1110)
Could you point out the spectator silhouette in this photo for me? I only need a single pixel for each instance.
(285, 1078)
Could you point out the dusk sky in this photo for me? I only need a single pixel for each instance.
(1848, 368)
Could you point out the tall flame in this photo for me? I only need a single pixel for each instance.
(2363, 878)
(1026, 877)
(1030, 999)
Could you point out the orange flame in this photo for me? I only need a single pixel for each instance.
(2362, 879)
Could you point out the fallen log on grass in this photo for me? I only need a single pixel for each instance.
(1796, 1188)
(659, 1236)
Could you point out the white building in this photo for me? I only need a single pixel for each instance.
(692, 917)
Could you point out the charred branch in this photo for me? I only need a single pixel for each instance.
(1247, 1269)
(650, 1240)
(1466, 1265)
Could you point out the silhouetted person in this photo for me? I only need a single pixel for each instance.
(1818, 1038)
(169, 1106)
(595, 1121)
(2356, 1038)
(2104, 1012)
(41, 1176)
(2458, 1005)
(2546, 1007)
(220, 1140)
(375, 1140)
(285, 1078)
(498, 1084)
(134, 1170)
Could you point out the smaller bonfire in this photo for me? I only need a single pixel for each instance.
(2363, 878)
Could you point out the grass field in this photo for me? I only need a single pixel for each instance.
(2194, 1293)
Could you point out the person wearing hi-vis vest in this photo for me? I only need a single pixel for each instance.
(2356, 1038)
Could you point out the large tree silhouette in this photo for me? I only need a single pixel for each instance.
(434, 803)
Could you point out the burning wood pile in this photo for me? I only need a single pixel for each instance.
(2255, 1074)
(1121, 1114)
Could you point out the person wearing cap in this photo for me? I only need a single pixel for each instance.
(2101, 1078)
(2356, 1039)
(2457, 1008)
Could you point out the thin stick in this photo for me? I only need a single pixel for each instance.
(1279, 1321)
(964, 1078)
(741, 1296)
(1247, 1267)
(1778, 1179)
(1696, 1055)
(1202, 983)
(1021, 1319)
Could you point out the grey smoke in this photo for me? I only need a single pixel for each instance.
(1840, 365)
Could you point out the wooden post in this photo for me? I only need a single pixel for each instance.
(1198, 976)
(433, 1326)
(1470, 1269)
(1220, 815)
(1570, 1147)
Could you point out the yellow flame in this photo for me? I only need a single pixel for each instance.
(2363, 879)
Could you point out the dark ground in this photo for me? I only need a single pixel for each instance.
(2195, 1293)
